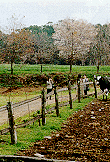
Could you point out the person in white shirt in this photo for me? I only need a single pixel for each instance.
(85, 79)
(49, 86)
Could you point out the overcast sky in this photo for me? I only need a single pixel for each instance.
(39, 12)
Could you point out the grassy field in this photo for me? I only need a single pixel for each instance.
(20, 69)
(19, 95)
(26, 136)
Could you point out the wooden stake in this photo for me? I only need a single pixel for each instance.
(56, 101)
(39, 118)
(11, 123)
(95, 88)
(43, 107)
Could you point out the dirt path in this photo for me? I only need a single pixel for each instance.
(32, 107)
(29, 107)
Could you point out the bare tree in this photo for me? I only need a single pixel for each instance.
(100, 47)
(73, 38)
(17, 42)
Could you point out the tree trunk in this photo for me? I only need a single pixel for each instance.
(70, 66)
(71, 55)
(97, 64)
(98, 67)
(11, 67)
(70, 97)
(41, 68)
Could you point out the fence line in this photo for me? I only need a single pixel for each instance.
(3, 108)
(6, 130)
(39, 116)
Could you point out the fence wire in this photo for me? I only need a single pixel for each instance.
(26, 107)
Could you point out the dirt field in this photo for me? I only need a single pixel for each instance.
(84, 136)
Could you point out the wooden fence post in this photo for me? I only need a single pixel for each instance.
(79, 97)
(70, 97)
(43, 107)
(95, 88)
(11, 124)
(56, 101)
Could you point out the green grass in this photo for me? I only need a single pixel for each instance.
(20, 69)
(26, 136)
(16, 97)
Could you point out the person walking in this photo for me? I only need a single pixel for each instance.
(49, 86)
(86, 86)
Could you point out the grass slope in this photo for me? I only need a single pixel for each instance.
(26, 136)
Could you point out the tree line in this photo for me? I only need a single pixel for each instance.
(67, 42)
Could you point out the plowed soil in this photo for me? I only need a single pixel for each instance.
(83, 137)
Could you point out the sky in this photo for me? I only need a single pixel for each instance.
(40, 12)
